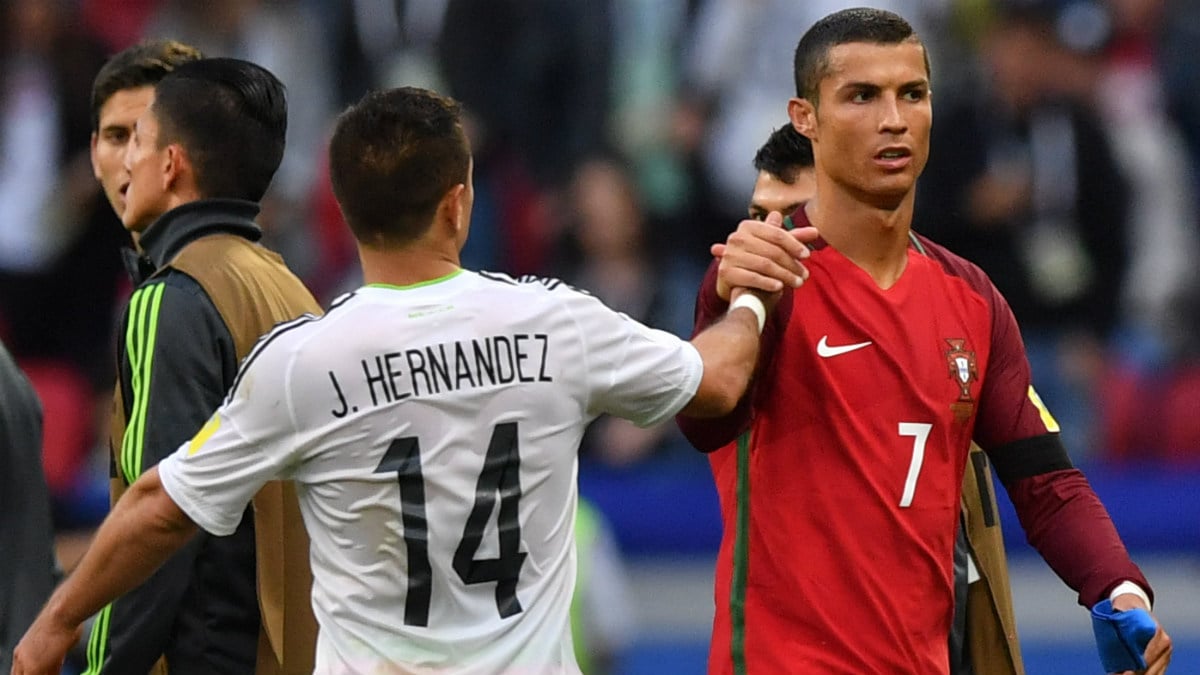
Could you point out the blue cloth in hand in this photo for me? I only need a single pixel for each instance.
(1122, 636)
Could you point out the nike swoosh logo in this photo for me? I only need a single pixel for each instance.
(824, 350)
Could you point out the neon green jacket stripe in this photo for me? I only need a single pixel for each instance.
(98, 642)
(132, 355)
(140, 339)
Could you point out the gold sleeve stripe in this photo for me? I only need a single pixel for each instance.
(1047, 418)
(210, 427)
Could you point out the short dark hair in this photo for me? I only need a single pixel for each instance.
(785, 154)
(394, 155)
(141, 65)
(861, 24)
(231, 117)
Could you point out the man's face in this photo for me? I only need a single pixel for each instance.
(772, 193)
(148, 167)
(870, 132)
(113, 139)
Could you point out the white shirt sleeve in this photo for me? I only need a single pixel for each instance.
(632, 371)
(248, 441)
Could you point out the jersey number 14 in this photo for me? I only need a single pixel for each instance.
(499, 478)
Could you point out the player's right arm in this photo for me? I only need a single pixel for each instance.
(729, 350)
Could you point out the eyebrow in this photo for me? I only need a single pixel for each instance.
(757, 209)
(871, 86)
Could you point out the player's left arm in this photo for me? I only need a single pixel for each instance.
(141, 532)
(1061, 515)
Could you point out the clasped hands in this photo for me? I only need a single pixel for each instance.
(763, 256)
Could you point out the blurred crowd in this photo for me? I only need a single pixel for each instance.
(613, 142)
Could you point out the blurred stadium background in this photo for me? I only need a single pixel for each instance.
(613, 143)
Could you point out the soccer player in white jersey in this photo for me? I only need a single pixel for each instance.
(431, 422)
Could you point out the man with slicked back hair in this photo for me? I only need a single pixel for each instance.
(842, 497)
(184, 148)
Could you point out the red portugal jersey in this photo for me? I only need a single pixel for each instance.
(862, 417)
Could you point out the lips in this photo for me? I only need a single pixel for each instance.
(893, 152)
(893, 157)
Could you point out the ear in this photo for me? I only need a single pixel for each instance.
(450, 209)
(175, 165)
(95, 161)
(804, 117)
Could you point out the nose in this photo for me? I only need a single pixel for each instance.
(891, 119)
(127, 154)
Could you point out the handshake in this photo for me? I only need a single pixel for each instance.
(764, 257)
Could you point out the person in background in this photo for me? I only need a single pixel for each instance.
(27, 568)
(602, 618)
(184, 148)
(60, 274)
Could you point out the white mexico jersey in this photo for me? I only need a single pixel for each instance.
(432, 432)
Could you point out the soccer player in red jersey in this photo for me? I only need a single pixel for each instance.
(983, 635)
(841, 497)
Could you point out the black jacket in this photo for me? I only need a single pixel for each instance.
(176, 360)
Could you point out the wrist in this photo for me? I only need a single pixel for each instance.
(57, 615)
(1131, 588)
(753, 303)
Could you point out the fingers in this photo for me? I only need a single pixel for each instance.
(750, 279)
(762, 234)
(762, 256)
(805, 235)
(1158, 653)
(774, 219)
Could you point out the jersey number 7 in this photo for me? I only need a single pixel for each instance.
(500, 473)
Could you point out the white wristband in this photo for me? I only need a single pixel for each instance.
(1129, 587)
(751, 302)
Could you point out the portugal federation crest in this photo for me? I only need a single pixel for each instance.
(963, 371)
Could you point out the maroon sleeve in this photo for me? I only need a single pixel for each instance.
(707, 435)
(1064, 520)
(1007, 412)
(1061, 515)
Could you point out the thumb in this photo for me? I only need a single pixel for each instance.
(774, 219)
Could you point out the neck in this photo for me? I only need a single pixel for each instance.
(408, 265)
(183, 194)
(873, 237)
